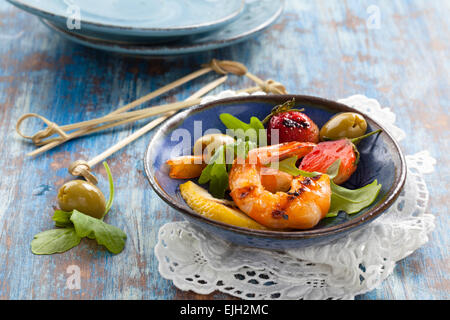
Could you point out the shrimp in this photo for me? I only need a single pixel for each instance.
(302, 207)
(186, 167)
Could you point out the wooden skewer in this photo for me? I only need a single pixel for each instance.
(118, 111)
(152, 124)
(83, 168)
(89, 124)
(122, 115)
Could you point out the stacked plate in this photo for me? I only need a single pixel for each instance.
(155, 27)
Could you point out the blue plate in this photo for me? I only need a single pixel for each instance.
(257, 16)
(138, 18)
(381, 159)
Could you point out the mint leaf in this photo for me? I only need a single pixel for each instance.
(111, 237)
(352, 201)
(55, 241)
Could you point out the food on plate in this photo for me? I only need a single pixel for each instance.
(302, 207)
(275, 180)
(208, 144)
(81, 214)
(344, 125)
(291, 125)
(326, 153)
(291, 185)
(202, 202)
(186, 167)
(82, 196)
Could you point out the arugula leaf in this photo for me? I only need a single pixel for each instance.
(219, 175)
(333, 170)
(342, 199)
(76, 225)
(55, 241)
(352, 201)
(245, 131)
(206, 174)
(256, 124)
(289, 166)
(86, 226)
(62, 218)
(216, 172)
(240, 148)
(111, 189)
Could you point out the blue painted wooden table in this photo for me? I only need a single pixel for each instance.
(327, 48)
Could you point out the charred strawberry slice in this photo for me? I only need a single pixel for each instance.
(326, 153)
(292, 125)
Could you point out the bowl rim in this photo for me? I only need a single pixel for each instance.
(391, 195)
(200, 27)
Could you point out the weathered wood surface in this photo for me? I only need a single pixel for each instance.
(322, 48)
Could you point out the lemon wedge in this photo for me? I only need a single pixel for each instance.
(205, 204)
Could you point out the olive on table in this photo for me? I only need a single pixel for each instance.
(344, 125)
(82, 196)
(211, 142)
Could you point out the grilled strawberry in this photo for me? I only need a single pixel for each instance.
(292, 125)
(326, 153)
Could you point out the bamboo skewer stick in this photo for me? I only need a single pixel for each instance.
(149, 112)
(61, 129)
(140, 117)
(152, 124)
(115, 114)
(163, 90)
(122, 115)
(83, 168)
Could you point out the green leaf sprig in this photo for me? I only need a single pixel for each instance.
(347, 200)
(352, 201)
(73, 226)
(289, 166)
(342, 199)
(245, 131)
(216, 172)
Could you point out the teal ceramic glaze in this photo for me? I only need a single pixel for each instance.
(381, 159)
(138, 18)
(257, 16)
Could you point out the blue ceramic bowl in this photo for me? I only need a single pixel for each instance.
(381, 159)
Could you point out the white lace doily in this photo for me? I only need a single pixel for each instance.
(350, 266)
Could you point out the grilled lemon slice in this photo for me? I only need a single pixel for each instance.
(205, 204)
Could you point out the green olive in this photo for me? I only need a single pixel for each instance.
(211, 142)
(82, 196)
(344, 125)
